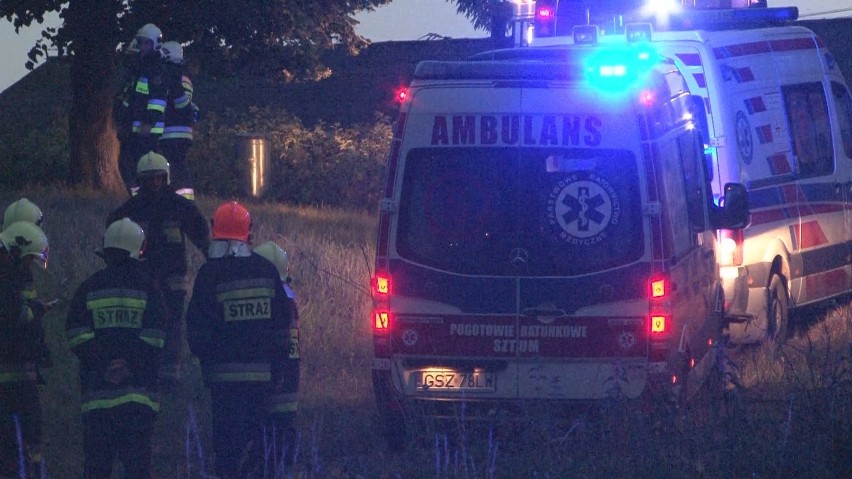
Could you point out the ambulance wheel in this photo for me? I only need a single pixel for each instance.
(777, 311)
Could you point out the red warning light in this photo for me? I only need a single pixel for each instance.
(544, 12)
(401, 95)
(647, 98)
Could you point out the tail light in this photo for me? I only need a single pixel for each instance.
(659, 317)
(381, 283)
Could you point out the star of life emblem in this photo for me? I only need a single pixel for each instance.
(409, 337)
(581, 207)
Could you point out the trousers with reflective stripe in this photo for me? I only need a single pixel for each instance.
(240, 372)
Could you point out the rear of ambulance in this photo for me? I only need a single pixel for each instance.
(515, 254)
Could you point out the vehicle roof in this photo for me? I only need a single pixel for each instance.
(714, 37)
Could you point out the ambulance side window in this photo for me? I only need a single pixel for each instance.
(844, 115)
(675, 196)
(810, 130)
(694, 178)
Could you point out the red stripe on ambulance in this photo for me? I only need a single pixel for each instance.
(809, 234)
(826, 284)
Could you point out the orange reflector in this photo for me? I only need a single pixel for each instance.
(658, 324)
(381, 320)
(658, 288)
(382, 284)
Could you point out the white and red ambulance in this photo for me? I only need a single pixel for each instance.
(778, 120)
(548, 231)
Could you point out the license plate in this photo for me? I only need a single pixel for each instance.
(445, 380)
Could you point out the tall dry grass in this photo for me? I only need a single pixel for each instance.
(789, 416)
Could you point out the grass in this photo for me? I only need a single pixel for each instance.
(789, 416)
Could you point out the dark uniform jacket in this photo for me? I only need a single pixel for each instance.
(238, 321)
(180, 114)
(22, 342)
(143, 99)
(114, 322)
(168, 219)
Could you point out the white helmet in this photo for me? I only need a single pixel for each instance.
(152, 164)
(23, 239)
(125, 235)
(276, 255)
(151, 32)
(22, 210)
(172, 52)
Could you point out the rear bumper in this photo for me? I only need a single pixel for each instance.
(575, 379)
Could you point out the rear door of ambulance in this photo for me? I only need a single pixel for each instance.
(454, 290)
(583, 282)
(515, 251)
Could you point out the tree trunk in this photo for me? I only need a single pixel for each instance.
(93, 143)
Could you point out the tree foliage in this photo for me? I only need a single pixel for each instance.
(282, 38)
(485, 14)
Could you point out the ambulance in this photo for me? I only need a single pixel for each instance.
(778, 121)
(547, 232)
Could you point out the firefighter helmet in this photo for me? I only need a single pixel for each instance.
(276, 255)
(152, 164)
(22, 210)
(231, 221)
(149, 31)
(125, 235)
(23, 238)
(172, 52)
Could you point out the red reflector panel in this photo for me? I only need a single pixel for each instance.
(658, 324)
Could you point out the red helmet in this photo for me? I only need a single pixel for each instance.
(231, 221)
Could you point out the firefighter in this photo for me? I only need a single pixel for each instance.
(238, 326)
(139, 118)
(25, 210)
(179, 118)
(168, 220)
(22, 348)
(114, 328)
(286, 374)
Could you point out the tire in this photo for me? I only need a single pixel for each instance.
(777, 311)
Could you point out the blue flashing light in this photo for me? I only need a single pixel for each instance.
(617, 70)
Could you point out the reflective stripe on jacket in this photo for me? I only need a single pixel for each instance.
(110, 398)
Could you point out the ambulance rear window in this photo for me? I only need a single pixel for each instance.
(514, 211)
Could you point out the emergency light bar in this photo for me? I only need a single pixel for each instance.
(557, 18)
(638, 32)
(585, 34)
(692, 19)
